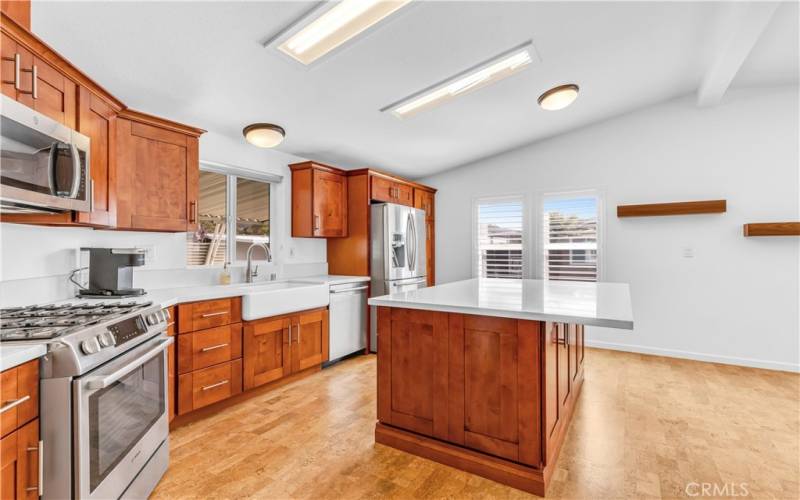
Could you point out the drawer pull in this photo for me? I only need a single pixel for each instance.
(211, 348)
(14, 403)
(40, 486)
(210, 315)
(170, 324)
(207, 387)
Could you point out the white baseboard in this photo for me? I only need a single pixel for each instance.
(697, 356)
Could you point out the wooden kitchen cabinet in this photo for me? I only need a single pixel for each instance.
(280, 346)
(19, 463)
(424, 199)
(319, 201)
(19, 384)
(157, 174)
(391, 191)
(208, 365)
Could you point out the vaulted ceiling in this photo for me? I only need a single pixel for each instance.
(202, 63)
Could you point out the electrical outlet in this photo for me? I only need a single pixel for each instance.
(688, 252)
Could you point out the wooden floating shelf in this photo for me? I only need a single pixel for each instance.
(678, 208)
(772, 229)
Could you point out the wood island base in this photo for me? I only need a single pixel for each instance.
(487, 395)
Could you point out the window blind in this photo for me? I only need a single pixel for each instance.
(570, 237)
(499, 241)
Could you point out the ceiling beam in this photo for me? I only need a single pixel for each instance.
(741, 27)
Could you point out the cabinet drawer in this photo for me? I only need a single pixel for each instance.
(20, 396)
(209, 385)
(209, 314)
(209, 347)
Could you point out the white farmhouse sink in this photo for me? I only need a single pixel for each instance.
(261, 300)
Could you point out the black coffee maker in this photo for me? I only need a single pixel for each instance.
(111, 272)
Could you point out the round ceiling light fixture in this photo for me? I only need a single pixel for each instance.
(559, 97)
(264, 135)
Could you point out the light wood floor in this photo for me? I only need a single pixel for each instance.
(644, 427)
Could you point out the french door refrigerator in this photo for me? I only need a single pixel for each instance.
(398, 253)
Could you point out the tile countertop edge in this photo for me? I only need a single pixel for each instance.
(11, 356)
(503, 313)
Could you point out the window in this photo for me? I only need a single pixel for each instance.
(228, 205)
(499, 238)
(570, 236)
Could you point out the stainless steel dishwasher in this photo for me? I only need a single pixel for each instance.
(348, 319)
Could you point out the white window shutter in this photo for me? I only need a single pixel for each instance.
(499, 238)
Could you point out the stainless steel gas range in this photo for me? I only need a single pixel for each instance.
(104, 405)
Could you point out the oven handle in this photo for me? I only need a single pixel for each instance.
(103, 382)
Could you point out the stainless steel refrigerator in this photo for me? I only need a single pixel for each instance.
(398, 253)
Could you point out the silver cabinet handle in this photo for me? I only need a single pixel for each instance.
(171, 323)
(345, 290)
(14, 403)
(209, 315)
(211, 348)
(207, 387)
(40, 449)
(316, 222)
(290, 333)
(298, 333)
(35, 82)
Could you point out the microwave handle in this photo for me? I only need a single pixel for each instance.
(51, 168)
(76, 171)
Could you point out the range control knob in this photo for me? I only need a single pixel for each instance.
(90, 346)
(106, 339)
(151, 319)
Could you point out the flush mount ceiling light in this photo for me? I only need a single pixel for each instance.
(335, 26)
(264, 135)
(559, 97)
(485, 73)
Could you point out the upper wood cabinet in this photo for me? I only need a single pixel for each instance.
(391, 191)
(425, 200)
(98, 120)
(319, 201)
(157, 174)
(18, 10)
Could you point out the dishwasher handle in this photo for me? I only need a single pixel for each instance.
(350, 291)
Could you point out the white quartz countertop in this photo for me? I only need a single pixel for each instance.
(15, 355)
(333, 279)
(598, 304)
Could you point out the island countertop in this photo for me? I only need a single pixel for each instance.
(598, 304)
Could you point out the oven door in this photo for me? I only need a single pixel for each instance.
(120, 419)
(45, 165)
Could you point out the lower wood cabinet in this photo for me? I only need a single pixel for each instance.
(279, 346)
(210, 385)
(19, 463)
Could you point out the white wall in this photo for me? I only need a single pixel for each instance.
(736, 301)
(35, 260)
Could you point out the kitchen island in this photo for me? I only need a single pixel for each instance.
(484, 374)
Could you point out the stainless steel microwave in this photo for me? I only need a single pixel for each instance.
(44, 165)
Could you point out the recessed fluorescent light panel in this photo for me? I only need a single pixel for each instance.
(491, 71)
(337, 25)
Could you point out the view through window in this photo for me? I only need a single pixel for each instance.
(570, 236)
(230, 209)
(499, 241)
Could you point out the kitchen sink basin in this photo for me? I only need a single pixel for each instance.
(261, 300)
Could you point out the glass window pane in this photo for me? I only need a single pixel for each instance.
(570, 237)
(207, 244)
(252, 216)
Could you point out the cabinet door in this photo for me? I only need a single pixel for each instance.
(430, 250)
(494, 385)
(8, 52)
(382, 189)
(551, 398)
(563, 365)
(412, 370)
(424, 200)
(330, 204)
(54, 94)
(403, 194)
(28, 460)
(309, 336)
(10, 486)
(574, 351)
(153, 166)
(98, 121)
(266, 352)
